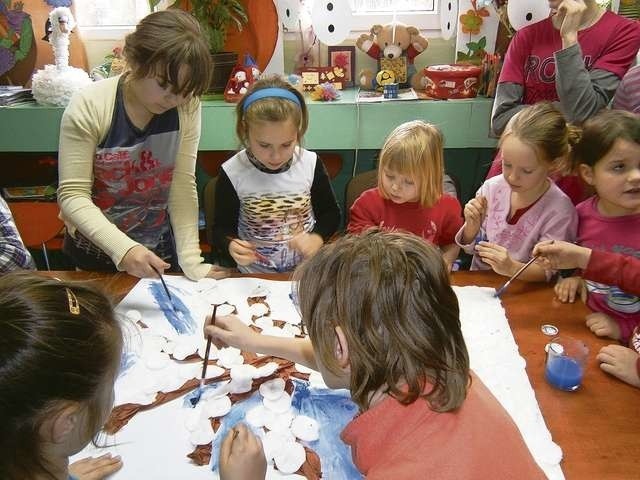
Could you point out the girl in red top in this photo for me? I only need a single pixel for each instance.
(409, 195)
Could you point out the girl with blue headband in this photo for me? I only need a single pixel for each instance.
(274, 202)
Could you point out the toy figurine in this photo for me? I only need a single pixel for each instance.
(55, 84)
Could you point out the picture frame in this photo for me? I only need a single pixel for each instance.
(343, 56)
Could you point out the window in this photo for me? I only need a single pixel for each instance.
(109, 19)
(418, 13)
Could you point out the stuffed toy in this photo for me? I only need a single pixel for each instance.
(394, 46)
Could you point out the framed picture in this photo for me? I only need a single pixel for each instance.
(344, 57)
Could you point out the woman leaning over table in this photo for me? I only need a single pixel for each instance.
(128, 149)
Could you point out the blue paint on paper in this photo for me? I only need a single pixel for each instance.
(180, 318)
(332, 409)
(127, 360)
(206, 391)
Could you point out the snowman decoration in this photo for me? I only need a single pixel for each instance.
(55, 84)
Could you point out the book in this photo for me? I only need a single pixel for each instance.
(369, 96)
(40, 192)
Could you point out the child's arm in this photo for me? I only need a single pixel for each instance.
(450, 254)
(231, 331)
(604, 267)
(324, 203)
(366, 212)
(474, 213)
(226, 213)
(183, 196)
(498, 258)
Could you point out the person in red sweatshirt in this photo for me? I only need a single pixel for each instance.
(384, 322)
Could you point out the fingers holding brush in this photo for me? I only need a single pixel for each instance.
(242, 456)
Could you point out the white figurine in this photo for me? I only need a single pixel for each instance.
(55, 84)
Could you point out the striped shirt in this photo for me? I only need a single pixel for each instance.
(13, 254)
(628, 92)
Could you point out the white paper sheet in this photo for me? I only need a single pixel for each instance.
(154, 443)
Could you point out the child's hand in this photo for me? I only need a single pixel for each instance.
(306, 243)
(95, 468)
(568, 288)
(557, 254)
(139, 262)
(232, 332)
(241, 456)
(218, 272)
(570, 16)
(620, 362)
(603, 325)
(474, 213)
(243, 252)
(497, 257)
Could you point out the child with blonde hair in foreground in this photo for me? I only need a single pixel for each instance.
(383, 321)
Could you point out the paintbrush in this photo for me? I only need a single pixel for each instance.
(198, 393)
(166, 289)
(501, 290)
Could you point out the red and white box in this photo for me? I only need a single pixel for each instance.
(451, 81)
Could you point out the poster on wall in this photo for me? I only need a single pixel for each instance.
(477, 31)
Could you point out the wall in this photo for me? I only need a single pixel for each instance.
(439, 51)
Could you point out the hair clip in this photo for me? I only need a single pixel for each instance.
(74, 306)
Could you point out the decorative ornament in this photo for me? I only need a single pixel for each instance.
(325, 92)
(55, 84)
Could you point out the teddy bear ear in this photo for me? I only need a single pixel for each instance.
(376, 29)
(413, 31)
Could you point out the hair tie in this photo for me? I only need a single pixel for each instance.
(74, 306)
(272, 92)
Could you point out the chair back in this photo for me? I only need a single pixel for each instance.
(37, 222)
(356, 185)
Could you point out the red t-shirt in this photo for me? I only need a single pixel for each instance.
(438, 224)
(477, 441)
(610, 44)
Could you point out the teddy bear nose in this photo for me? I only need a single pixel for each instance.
(390, 55)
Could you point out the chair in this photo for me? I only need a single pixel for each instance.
(39, 225)
(355, 186)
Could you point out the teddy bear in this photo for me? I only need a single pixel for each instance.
(394, 46)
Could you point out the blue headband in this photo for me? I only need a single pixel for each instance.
(276, 92)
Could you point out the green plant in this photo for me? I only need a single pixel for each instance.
(214, 16)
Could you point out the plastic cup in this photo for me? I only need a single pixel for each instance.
(566, 359)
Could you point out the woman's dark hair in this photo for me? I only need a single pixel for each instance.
(59, 341)
(164, 42)
(390, 294)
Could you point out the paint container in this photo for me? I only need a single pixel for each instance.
(566, 359)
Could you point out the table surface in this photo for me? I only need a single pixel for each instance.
(597, 426)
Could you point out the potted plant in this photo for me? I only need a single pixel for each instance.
(215, 18)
